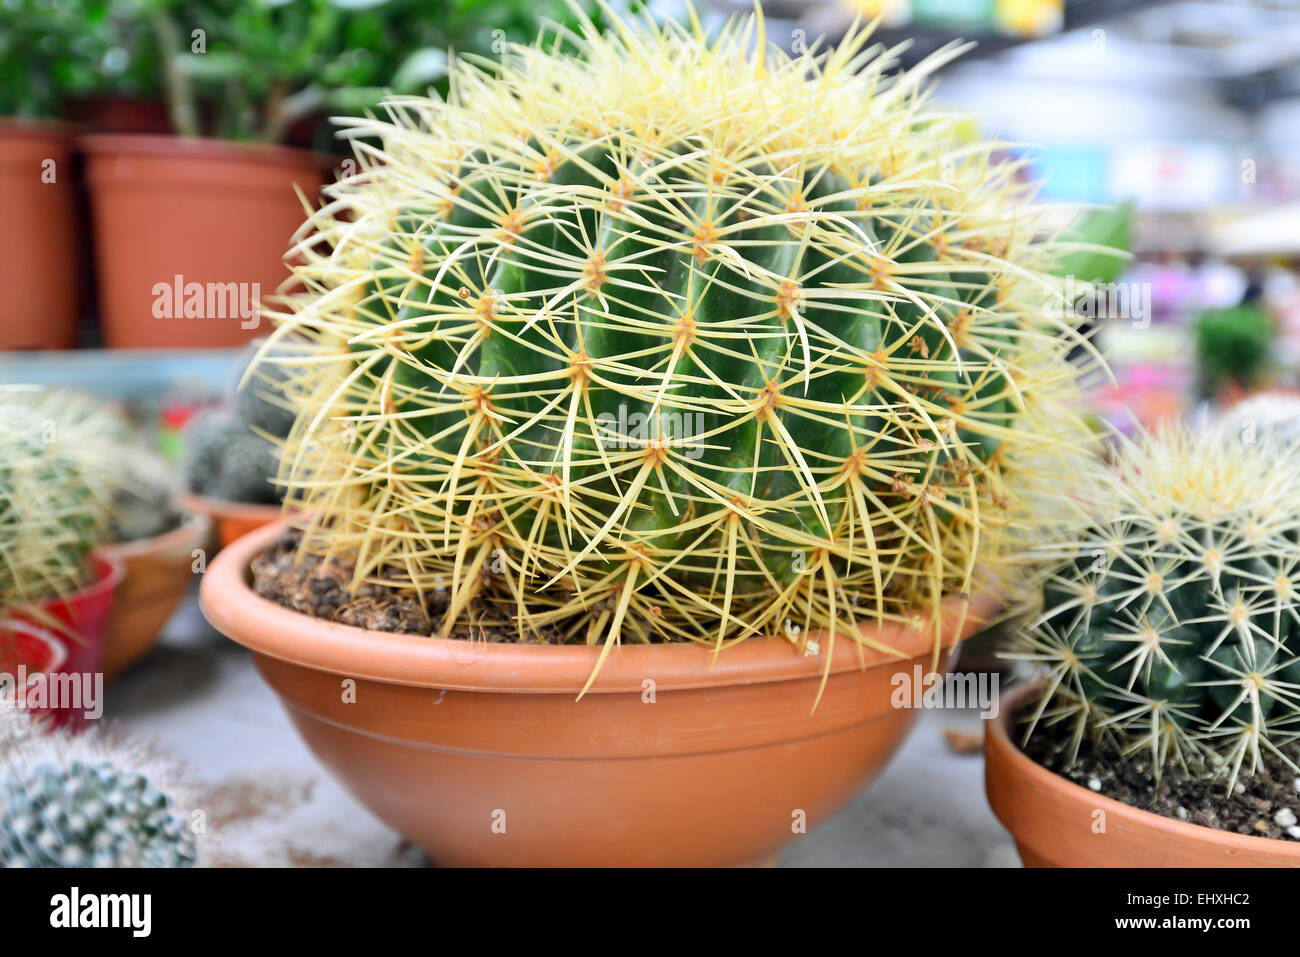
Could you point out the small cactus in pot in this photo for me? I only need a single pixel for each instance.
(1170, 625)
(79, 801)
(651, 336)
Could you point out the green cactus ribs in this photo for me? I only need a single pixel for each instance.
(676, 337)
(1171, 625)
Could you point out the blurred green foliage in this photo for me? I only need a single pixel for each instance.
(1233, 347)
(248, 69)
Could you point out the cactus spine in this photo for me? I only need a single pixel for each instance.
(663, 338)
(1171, 625)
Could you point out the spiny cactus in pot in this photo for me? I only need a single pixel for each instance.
(667, 340)
(661, 361)
(1169, 637)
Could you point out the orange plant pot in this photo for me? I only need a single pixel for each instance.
(37, 275)
(480, 754)
(230, 520)
(157, 572)
(187, 226)
(1057, 823)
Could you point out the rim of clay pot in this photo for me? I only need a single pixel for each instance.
(198, 148)
(58, 651)
(225, 508)
(268, 628)
(194, 527)
(1000, 747)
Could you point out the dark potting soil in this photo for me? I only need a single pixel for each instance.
(319, 587)
(1259, 804)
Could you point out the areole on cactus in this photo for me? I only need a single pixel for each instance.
(1171, 623)
(825, 311)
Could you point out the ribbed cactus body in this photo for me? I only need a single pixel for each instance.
(1173, 628)
(674, 338)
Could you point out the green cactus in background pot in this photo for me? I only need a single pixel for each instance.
(675, 338)
(1171, 627)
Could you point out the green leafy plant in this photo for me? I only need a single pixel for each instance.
(265, 65)
(1170, 627)
(668, 339)
(1232, 348)
(53, 49)
(81, 802)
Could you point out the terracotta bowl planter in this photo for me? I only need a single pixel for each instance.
(480, 754)
(1057, 823)
(157, 572)
(216, 214)
(230, 520)
(40, 232)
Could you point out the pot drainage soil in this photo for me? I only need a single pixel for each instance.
(1267, 805)
(319, 587)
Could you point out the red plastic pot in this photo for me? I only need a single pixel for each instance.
(40, 285)
(26, 650)
(184, 223)
(81, 620)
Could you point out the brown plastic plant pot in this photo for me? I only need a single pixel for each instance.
(230, 520)
(481, 755)
(38, 196)
(191, 215)
(157, 571)
(1057, 823)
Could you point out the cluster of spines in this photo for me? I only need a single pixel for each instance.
(1170, 626)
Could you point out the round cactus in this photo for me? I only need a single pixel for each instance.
(53, 509)
(70, 801)
(654, 335)
(1171, 625)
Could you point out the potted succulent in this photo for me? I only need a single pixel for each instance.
(37, 185)
(51, 517)
(133, 524)
(221, 200)
(666, 398)
(231, 453)
(1162, 727)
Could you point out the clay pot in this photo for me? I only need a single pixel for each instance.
(480, 754)
(191, 226)
(39, 234)
(119, 114)
(230, 520)
(157, 572)
(1057, 823)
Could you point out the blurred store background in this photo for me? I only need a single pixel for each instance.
(1187, 110)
